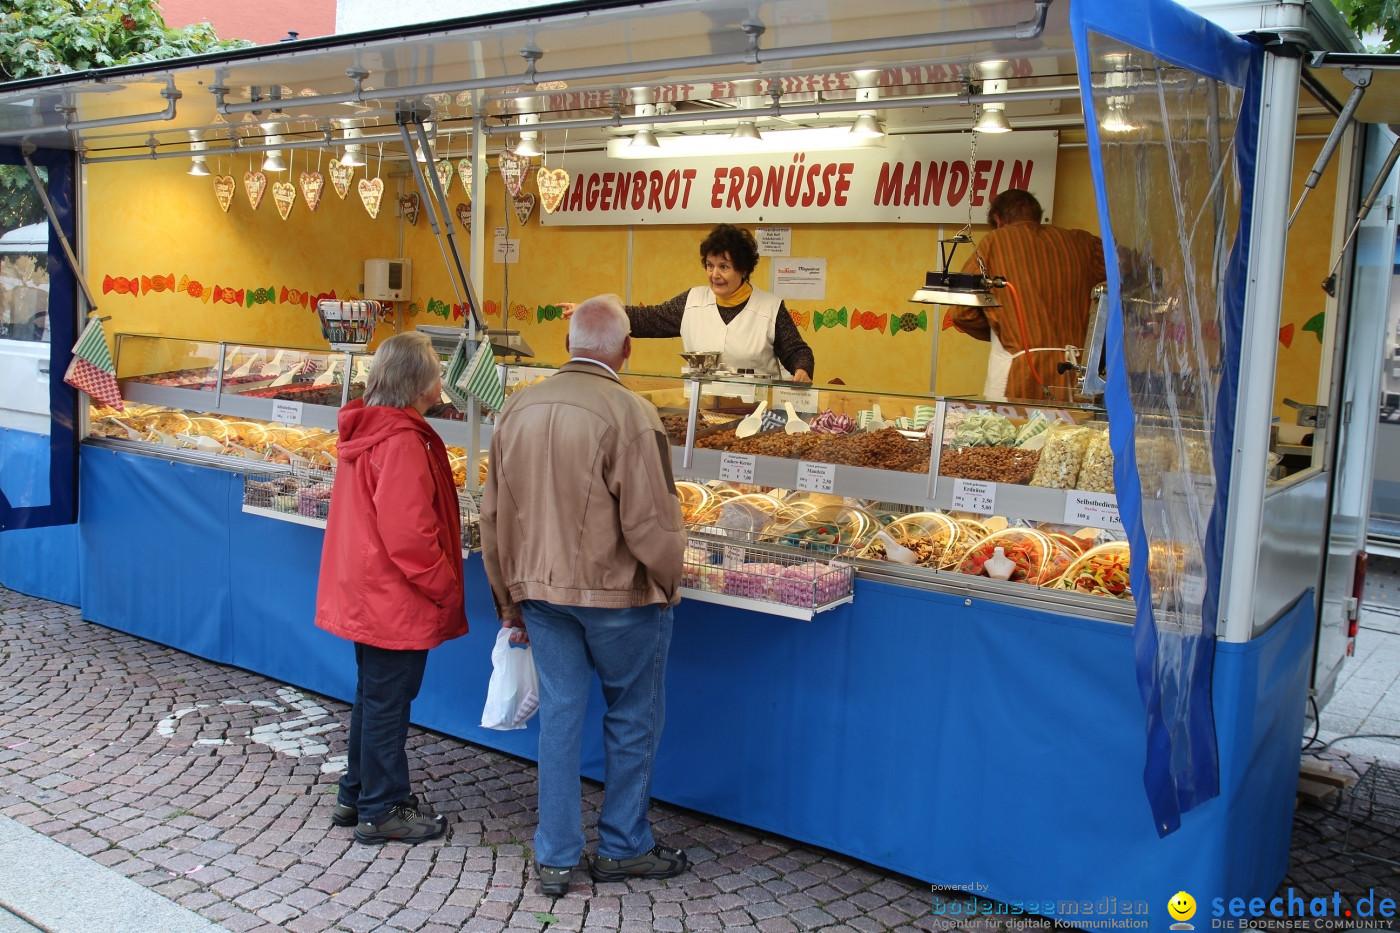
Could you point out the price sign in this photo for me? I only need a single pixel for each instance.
(286, 412)
(1096, 509)
(506, 251)
(802, 399)
(737, 468)
(816, 477)
(971, 495)
(514, 376)
(734, 556)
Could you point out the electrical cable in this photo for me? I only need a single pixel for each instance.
(1317, 722)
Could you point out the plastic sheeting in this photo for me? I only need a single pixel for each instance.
(36, 561)
(1174, 103)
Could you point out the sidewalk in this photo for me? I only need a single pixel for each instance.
(209, 789)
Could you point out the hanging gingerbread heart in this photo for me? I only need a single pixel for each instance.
(312, 184)
(284, 195)
(444, 174)
(371, 193)
(224, 186)
(524, 207)
(254, 183)
(464, 172)
(408, 208)
(340, 177)
(552, 184)
(464, 215)
(513, 168)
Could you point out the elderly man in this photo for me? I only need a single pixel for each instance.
(582, 537)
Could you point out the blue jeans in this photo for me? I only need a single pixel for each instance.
(627, 647)
(376, 771)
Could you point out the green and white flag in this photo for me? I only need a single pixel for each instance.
(478, 379)
(456, 366)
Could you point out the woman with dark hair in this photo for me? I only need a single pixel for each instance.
(750, 326)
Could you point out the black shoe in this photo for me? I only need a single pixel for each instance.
(554, 882)
(660, 862)
(350, 816)
(403, 824)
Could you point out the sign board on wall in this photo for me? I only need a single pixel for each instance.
(923, 179)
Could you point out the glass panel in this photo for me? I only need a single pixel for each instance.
(24, 257)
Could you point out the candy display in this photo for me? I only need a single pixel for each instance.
(887, 449)
(984, 429)
(1062, 456)
(314, 501)
(1039, 559)
(994, 464)
(936, 540)
(696, 501)
(1102, 571)
(812, 584)
(829, 422)
(1096, 470)
(826, 528)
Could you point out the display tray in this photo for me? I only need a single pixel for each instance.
(761, 605)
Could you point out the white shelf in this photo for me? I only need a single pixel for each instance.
(761, 605)
(298, 519)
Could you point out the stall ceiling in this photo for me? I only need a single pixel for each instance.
(704, 58)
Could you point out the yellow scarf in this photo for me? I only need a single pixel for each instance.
(741, 295)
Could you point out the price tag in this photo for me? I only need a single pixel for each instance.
(1193, 589)
(1096, 509)
(734, 556)
(507, 251)
(286, 412)
(737, 468)
(804, 400)
(972, 495)
(498, 232)
(816, 477)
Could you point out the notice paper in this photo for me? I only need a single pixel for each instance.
(800, 278)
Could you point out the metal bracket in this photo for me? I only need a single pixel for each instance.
(1309, 416)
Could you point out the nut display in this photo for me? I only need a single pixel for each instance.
(1096, 470)
(887, 449)
(1063, 454)
(994, 464)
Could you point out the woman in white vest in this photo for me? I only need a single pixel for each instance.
(750, 326)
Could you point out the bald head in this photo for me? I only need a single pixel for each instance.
(600, 330)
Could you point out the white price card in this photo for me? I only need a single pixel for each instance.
(803, 400)
(734, 556)
(286, 412)
(816, 477)
(507, 251)
(1096, 509)
(971, 495)
(498, 232)
(774, 241)
(737, 468)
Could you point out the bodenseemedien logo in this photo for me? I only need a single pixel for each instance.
(1182, 908)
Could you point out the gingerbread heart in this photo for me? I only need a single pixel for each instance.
(552, 184)
(371, 193)
(408, 208)
(464, 215)
(224, 186)
(524, 207)
(444, 174)
(284, 195)
(513, 168)
(464, 172)
(312, 184)
(254, 183)
(340, 177)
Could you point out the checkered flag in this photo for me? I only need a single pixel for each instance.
(92, 370)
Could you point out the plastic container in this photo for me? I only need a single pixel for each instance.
(1039, 559)
(1101, 571)
(936, 540)
(826, 528)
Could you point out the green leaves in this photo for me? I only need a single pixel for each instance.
(1380, 17)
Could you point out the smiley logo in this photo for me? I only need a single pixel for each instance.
(1182, 906)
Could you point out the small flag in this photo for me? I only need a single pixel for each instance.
(91, 370)
(482, 380)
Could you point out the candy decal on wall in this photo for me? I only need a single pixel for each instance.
(340, 177)
(831, 317)
(254, 184)
(440, 308)
(490, 308)
(908, 321)
(121, 285)
(513, 168)
(947, 319)
(262, 296)
(868, 320)
(284, 195)
(193, 289)
(371, 193)
(524, 207)
(552, 184)
(1315, 324)
(290, 296)
(224, 186)
(464, 172)
(800, 318)
(444, 174)
(520, 312)
(548, 313)
(1285, 335)
(312, 184)
(228, 295)
(157, 283)
(464, 215)
(408, 208)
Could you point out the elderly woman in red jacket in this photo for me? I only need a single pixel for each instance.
(391, 579)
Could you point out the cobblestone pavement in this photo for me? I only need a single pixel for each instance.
(213, 787)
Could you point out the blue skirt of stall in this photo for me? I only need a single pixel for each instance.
(961, 742)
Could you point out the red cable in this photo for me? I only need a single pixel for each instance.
(1025, 334)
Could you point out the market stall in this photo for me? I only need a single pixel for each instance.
(920, 628)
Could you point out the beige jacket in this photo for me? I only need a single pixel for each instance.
(579, 507)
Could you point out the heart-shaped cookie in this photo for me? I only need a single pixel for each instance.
(513, 168)
(524, 207)
(464, 215)
(444, 174)
(552, 184)
(284, 195)
(408, 208)
(312, 184)
(254, 183)
(371, 193)
(464, 172)
(340, 177)
(224, 186)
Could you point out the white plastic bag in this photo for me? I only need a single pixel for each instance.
(514, 692)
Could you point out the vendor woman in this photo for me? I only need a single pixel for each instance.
(752, 327)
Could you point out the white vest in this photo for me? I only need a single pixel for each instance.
(746, 341)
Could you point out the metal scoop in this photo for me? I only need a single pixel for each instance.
(752, 422)
(795, 425)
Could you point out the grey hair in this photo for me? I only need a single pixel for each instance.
(405, 366)
(599, 325)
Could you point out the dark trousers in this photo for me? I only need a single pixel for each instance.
(376, 773)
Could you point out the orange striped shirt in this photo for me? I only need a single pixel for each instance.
(1053, 271)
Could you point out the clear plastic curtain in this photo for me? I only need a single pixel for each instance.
(1172, 148)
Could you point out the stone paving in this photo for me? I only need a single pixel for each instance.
(213, 787)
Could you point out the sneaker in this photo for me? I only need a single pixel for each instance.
(403, 824)
(350, 816)
(554, 882)
(660, 862)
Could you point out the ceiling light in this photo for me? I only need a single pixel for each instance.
(198, 165)
(418, 152)
(993, 116)
(1116, 120)
(867, 127)
(645, 139)
(353, 155)
(992, 120)
(966, 289)
(529, 144)
(745, 133)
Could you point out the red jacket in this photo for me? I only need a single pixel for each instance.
(391, 565)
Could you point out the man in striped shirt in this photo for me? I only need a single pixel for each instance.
(1051, 273)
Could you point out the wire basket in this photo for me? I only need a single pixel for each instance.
(275, 491)
(759, 574)
(348, 325)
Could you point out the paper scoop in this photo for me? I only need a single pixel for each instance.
(795, 425)
(752, 422)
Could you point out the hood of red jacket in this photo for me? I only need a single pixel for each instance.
(363, 426)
